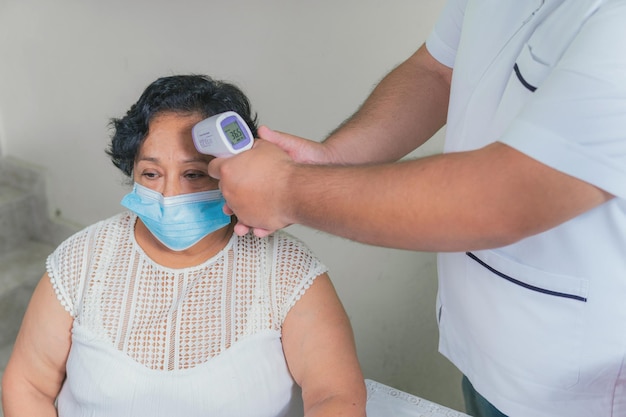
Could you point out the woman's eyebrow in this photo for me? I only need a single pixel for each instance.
(148, 158)
(203, 159)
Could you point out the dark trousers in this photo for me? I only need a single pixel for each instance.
(475, 404)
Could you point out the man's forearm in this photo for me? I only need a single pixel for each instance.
(406, 109)
(454, 202)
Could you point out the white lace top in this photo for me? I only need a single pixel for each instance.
(148, 340)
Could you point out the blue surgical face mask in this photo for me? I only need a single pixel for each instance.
(181, 221)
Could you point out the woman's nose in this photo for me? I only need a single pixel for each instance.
(171, 189)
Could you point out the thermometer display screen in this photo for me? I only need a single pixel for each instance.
(234, 133)
(222, 135)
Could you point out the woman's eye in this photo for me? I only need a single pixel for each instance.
(150, 175)
(195, 175)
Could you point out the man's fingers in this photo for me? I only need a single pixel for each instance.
(241, 229)
(214, 167)
(227, 210)
(269, 135)
(262, 232)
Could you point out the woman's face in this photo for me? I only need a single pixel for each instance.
(167, 160)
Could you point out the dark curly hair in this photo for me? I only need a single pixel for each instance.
(185, 94)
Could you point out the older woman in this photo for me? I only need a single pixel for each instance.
(163, 311)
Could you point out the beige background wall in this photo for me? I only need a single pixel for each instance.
(68, 66)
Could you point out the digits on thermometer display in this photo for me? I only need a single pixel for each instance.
(222, 135)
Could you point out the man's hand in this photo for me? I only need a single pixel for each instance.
(255, 186)
(301, 150)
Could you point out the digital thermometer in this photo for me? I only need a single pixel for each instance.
(222, 135)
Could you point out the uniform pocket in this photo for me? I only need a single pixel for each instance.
(557, 286)
(528, 71)
(531, 322)
(526, 76)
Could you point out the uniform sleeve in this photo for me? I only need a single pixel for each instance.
(575, 121)
(66, 269)
(443, 41)
(295, 269)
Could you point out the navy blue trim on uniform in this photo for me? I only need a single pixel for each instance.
(522, 80)
(523, 284)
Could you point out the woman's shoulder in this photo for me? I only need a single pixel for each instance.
(281, 240)
(282, 237)
(103, 230)
(292, 255)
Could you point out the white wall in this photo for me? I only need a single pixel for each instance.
(68, 66)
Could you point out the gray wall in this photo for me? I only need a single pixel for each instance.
(67, 66)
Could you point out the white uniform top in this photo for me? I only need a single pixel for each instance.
(152, 341)
(539, 327)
